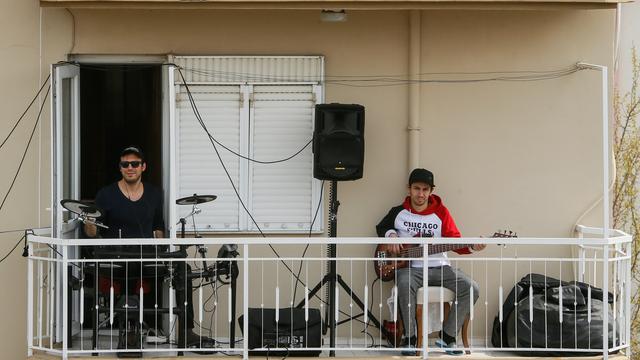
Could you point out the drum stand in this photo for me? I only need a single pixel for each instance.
(228, 268)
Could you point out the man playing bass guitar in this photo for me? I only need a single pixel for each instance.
(422, 214)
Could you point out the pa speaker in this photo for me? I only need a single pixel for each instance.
(338, 142)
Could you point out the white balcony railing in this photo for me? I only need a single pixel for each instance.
(90, 296)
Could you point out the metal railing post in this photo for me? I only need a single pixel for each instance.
(605, 202)
(29, 302)
(40, 310)
(627, 286)
(51, 298)
(581, 254)
(605, 302)
(605, 197)
(425, 301)
(65, 301)
(245, 301)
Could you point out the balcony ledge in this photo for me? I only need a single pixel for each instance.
(336, 4)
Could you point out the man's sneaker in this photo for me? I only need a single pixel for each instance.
(409, 352)
(450, 349)
(154, 336)
(409, 343)
(129, 338)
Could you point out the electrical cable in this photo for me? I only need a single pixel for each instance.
(24, 154)
(404, 78)
(224, 167)
(25, 111)
(73, 32)
(295, 288)
(204, 307)
(287, 354)
(453, 81)
(204, 284)
(366, 325)
(12, 249)
(12, 231)
(230, 355)
(215, 148)
(111, 67)
(214, 292)
(228, 342)
(211, 138)
(263, 161)
(195, 258)
(58, 252)
(541, 76)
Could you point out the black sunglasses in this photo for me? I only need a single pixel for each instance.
(134, 164)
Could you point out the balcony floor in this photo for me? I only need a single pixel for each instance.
(108, 339)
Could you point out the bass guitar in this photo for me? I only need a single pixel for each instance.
(386, 263)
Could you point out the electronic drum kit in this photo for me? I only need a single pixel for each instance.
(89, 213)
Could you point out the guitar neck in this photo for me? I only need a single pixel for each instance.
(416, 252)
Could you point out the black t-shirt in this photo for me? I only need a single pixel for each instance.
(130, 219)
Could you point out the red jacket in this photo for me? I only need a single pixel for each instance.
(434, 221)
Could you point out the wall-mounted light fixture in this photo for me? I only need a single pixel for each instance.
(333, 15)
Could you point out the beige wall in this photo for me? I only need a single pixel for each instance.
(22, 76)
(528, 152)
(518, 155)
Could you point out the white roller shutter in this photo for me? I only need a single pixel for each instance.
(281, 124)
(199, 169)
(251, 69)
(262, 107)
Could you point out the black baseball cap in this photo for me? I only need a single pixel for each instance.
(421, 175)
(132, 150)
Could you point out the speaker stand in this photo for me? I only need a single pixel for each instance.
(333, 279)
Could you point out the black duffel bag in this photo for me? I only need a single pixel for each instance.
(290, 333)
(546, 331)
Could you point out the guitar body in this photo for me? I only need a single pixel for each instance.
(386, 264)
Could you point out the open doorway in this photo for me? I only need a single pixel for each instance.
(120, 105)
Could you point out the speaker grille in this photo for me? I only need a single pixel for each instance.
(339, 142)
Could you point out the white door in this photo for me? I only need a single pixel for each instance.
(169, 148)
(65, 171)
(65, 145)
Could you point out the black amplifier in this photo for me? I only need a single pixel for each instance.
(289, 333)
